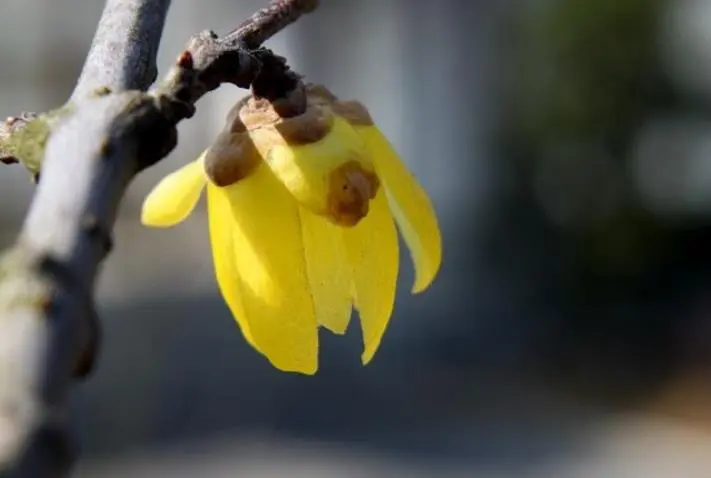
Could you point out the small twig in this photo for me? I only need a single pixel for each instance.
(236, 58)
(48, 327)
(207, 62)
(268, 21)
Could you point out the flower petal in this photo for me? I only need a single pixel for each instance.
(410, 206)
(328, 270)
(271, 271)
(319, 174)
(175, 196)
(219, 213)
(372, 248)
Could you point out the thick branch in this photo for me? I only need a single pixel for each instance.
(48, 330)
(123, 53)
(47, 320)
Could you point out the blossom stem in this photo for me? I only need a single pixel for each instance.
(268, 21)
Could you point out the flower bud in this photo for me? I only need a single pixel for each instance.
(317, 155)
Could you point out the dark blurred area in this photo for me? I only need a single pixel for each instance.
(566, 145)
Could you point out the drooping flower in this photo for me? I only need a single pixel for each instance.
(301, 211)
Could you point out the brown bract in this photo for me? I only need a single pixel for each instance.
(351, 189)
(234, 154)
(310, 126)
(230, 158)
(304, 116)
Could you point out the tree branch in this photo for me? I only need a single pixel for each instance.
(48, 327)
(268, 21)
(123, 53)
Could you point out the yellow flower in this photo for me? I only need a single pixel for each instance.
(301, 223)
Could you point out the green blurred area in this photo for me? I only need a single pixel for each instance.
(585, 78)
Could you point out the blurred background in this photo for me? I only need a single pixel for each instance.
(566, 145)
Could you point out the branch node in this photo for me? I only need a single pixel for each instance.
(94, 227)
(269, 20)
(70, 291)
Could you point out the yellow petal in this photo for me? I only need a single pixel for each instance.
(332, 177)
(328, 271)
(372, 248)
(219, 213)
(410, 206)
(175, 196)
(271, 272)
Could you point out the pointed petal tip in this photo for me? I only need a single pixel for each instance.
(418, 288)
(424, 277)
(369, 350)
(368, 354)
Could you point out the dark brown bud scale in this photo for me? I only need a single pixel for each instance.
(351, 189)
(308, 127)
(303, 117)
(294, 104)
(230, 158)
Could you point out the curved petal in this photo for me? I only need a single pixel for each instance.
(175, 196)
(271, 272)
(318, 174)
(328, 271)
(372, 248)
(410, 206)
(219, 213)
